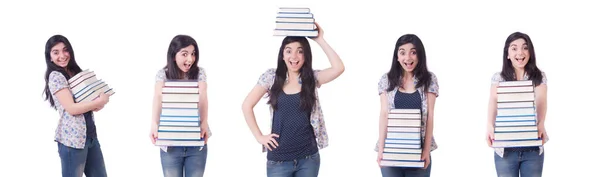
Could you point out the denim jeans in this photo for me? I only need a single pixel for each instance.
(406, 171)
(527, 163)
(76, 162)
(303, 167)
(178, 161)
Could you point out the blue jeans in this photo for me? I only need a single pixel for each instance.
(303, 167)
(76, 162)
(528, 163)
(178, 161)
(406, 171)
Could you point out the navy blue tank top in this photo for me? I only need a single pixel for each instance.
(407, 100)
(292, 124)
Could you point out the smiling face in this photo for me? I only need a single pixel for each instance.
(185, 58)
(518, 53)
(60, 55)
(407, 56)
(293, 55)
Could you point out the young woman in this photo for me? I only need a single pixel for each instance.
(78, 145)
(519, 64)
(297, 128)
(182, 63)
(408, 85)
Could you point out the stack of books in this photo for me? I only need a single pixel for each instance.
(403, 143)
(179, 123)
(292, 21)
(516, 121)
(86, 87)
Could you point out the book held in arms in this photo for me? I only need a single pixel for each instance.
(295, 21)
(516, 121)
(85, 86)
(179, 123)
(403, 143)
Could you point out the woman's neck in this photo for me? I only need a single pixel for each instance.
(520, 73)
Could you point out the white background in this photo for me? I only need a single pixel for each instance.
(125, 43)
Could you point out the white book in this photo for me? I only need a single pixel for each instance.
(516, 97)
(398, 141)
(294, 10)
(400, 156)
(403, 129)
(400, 150)
(407, 146)
(180, 119)
(404, 122)
(405, 111)
(395, 163)
(516, 129)
(182, 124)
(179, 143)
(515, 89)
(181, 83)
(180, 105)
(516, 104)
(515, 112)
(181, 97)
(515, 83)
(511, 124)
(300, 33)
(178, 129)
(295, 15)
(404, 116)
(295, 20)
(179, 135)
(516, 136)
(180, 112)
(295, 26)
(525, 143)
(180, 90)
(515, 118)
(406, 136)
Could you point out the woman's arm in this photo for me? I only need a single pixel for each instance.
(492, 111)
(65, 98)
(203, 108)
(541, 107)
(337, 66)
(431, 97)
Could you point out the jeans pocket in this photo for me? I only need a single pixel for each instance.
(273, 163)
(316, 157)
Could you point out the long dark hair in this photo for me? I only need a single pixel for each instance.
(72, 67)
(508, 72)
(421, 72)
(307, 92)
(177, 43)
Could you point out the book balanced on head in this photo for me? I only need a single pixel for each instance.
(295, 21)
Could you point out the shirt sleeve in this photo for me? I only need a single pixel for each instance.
(383, 84)
(57, 81)
(433, 85)
(267, 78)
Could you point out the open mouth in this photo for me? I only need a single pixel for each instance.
(409, 64)
(187, 66)
(520, 60)
(294, 63)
